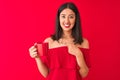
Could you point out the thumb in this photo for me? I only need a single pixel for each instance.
(35, 44)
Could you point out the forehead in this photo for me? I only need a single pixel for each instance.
(67, 11)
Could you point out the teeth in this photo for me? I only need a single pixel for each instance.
(66, 25)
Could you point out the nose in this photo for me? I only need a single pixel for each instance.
(66, 20)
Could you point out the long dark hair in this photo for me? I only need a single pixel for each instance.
(76, 31)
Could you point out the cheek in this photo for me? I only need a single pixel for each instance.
(72, 22)
(61, 22)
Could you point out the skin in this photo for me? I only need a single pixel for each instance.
(67, 21)
(67, 18)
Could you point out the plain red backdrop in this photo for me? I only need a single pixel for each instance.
(24, 22)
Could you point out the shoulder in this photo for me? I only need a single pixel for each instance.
(48, 40)
(85, 43)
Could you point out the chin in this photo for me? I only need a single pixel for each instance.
(67, 30)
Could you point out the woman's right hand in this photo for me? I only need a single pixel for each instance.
(33, 51)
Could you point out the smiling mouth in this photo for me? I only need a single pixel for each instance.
(67, 26)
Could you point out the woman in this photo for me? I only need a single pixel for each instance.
(67, 48)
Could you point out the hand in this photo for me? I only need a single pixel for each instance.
(33, 51)
(74, 50)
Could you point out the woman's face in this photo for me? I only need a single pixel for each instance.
(67, 19)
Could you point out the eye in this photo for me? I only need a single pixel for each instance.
(71, 17)
(63, 16)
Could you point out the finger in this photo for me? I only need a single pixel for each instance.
(35, 44)
(33, 54)
(31, 48)
(34, 50)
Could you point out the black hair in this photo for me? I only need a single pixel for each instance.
(76, 31)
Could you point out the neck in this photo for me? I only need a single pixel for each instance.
(67, 34)
(66, 38)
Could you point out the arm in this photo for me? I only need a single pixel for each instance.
(83, 67)
(43, 69)
(81, 61)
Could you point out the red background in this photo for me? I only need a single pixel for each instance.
(24, 22)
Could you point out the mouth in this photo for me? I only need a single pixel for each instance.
(67, 26)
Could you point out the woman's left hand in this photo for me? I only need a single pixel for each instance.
(74, 50)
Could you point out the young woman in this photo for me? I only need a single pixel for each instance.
(66, 59)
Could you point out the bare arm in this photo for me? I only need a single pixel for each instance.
(81, 62)
(44, 70)
(83, 67)
(41, 67)
(74, 50)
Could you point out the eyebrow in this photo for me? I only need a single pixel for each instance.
(65, 14)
